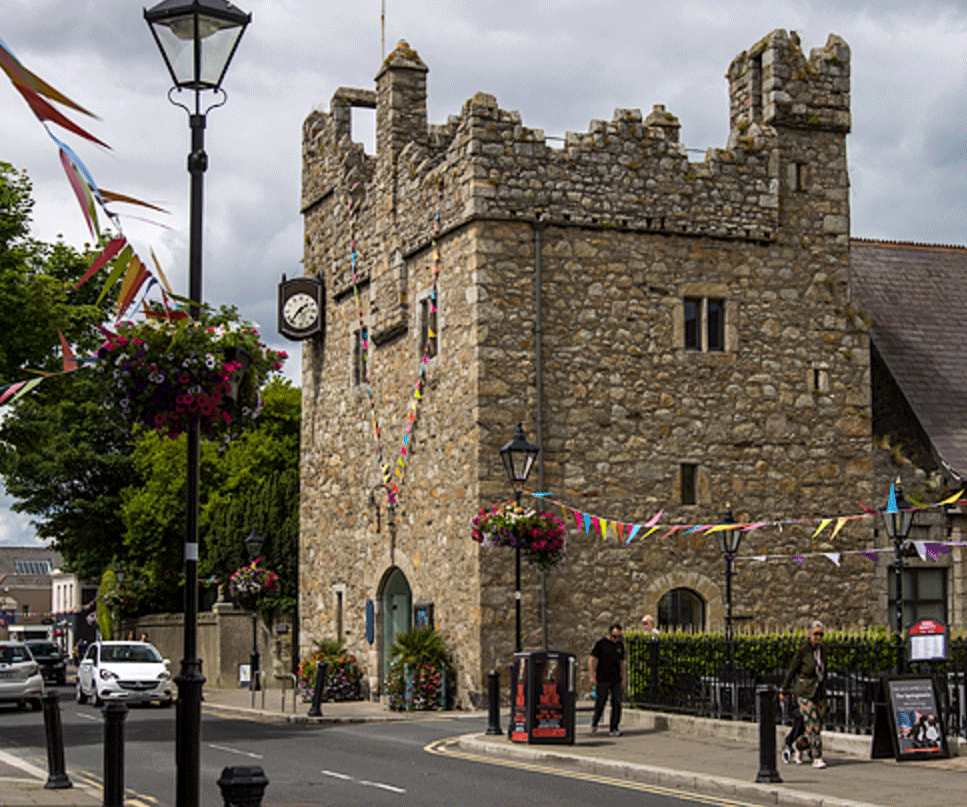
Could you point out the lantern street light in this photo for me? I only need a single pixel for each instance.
(898, 519)
(253, 545)
(729, 540)
(197, 39)
(518, 457)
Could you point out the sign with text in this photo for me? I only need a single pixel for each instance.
(915, 722)
(929, 641)
(543, 698)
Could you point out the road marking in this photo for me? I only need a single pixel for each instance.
(444, 748)
(234, 751)
(364, 782)
(86, 716)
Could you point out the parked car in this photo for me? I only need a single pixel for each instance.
(128, 671)
(20, 678)
(53, 664)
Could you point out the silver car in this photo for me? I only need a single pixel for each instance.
(20, 678)
(128, 671)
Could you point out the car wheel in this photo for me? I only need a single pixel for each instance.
(79, 694)
(35, 704)
(166, 703)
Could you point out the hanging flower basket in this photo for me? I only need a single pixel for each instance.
(250, 583)
(165, 372)
(540, 536)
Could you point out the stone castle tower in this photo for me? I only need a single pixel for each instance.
(673, 334)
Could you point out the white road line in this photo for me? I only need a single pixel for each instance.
(234, 751)
(381, 786)
(90, 717)
(363, 782)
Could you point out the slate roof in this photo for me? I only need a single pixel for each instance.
(916, 295)
(9, 554)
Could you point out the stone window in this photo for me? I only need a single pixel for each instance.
(688, 473)
(817, 379)
(681, 609)
(796, 176)
(340, 594)
(704, 323)
(358, 359)
(429, 336)
(924, 595)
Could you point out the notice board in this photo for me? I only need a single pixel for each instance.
(909, 712)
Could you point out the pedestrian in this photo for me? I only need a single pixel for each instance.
(808, 671)
(797, 730)
(144, 637)
(609, 674)
(648, 627)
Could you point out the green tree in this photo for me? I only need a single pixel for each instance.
(62, 457)
(252, 483)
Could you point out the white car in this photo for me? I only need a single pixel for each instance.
(20, 678)
(128, 671)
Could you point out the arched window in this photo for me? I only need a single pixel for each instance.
(682, 609)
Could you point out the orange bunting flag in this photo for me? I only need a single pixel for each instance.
(67, 353)
(22, 77)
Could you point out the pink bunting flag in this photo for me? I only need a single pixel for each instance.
(110, 251)
(655, 518)
(577, 518)
(799, 559)
(11, 390)
(46, 112)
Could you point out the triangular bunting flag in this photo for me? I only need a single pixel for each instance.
(821, 527)
(798, 558)
(67, 353)
(632, 532)
(833, 556)
(587, 523)
(869, 553)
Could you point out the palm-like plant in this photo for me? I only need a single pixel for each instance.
(421, 646)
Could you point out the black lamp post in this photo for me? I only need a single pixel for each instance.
(729, 540)
(518, 456)
(898, 521)
(197, 39)
(253, 545)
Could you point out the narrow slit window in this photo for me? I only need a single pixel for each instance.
(429, 333)
(689, 477)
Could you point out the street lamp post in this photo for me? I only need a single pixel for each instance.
(729, 540)
(518, 457)
(253, 545)
(898, 519)
(197, 39)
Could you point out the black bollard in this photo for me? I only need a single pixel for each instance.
(57, 773)
(493, 702)
(242, 786)
(766, 693)
(316, 709)
(114, 714)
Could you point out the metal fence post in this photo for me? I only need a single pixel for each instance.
(114, 714)
(316, 709)
(767, 734)
(653, 661)
(493, 702)
(57, 774)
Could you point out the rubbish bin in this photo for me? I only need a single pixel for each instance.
(542, 698)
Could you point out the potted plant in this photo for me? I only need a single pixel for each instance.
(421, 674)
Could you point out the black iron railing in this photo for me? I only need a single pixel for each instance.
(691, 675)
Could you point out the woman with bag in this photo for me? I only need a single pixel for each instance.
(808, 671)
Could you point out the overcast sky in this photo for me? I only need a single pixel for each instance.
(560, 64)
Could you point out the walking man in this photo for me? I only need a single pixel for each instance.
(606, 665)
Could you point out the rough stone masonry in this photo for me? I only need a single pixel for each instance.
(694, 349)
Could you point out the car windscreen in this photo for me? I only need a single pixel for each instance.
(134, 653)
(43, 648)
(14, 653)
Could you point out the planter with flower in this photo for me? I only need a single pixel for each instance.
(540, 536)
(249, 584)
(421, 676)
(168, 370)
(343, 676)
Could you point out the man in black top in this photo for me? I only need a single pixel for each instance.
(608, 674)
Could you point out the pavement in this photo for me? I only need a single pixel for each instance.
(717, 758)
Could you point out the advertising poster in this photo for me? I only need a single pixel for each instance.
(551, 684)
(518, 715)
(916, 718)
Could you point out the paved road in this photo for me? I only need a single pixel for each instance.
(382, 763)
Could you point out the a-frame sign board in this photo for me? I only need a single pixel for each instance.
(907, 723)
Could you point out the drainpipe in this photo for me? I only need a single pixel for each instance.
(539, 390)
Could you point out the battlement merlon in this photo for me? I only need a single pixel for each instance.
(773, 83)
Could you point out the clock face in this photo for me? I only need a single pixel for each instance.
(300, 311)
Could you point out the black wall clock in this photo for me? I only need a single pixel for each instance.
(301, 307)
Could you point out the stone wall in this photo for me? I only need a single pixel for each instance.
(624, 228)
